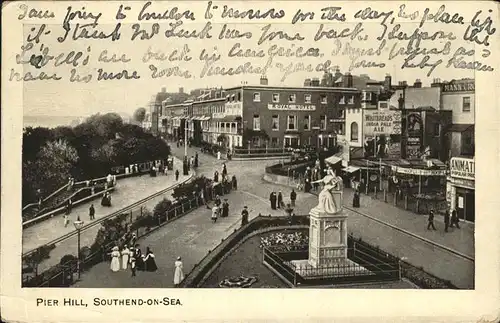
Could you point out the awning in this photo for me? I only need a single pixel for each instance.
(225, 119)
(205, 118)
(461, 127)
(333, 159)
(351, 169)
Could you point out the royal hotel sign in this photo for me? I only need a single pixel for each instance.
(292, 107)
(463, 168)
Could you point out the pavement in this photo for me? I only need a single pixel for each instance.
(193, 235)
(127, 192)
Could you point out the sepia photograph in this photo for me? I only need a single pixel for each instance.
(246, 145)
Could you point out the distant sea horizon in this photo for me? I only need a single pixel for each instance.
(52, 121)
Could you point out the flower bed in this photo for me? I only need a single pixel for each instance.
(285, 241)
(238, 282)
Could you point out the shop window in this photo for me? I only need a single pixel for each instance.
(292, 98)
(275, 123)
(256, 122)
(466, 104)
(256, 97)
(307, 123)
(354, 131)
(276, 97)
(324, 99)
(307, 98)
(291, 123)
(322, 122)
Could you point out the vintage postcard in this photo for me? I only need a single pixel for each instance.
(249, 160)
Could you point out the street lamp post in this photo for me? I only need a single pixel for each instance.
(78, 226)
(185, 137)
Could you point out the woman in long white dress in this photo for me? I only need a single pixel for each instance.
(179, 273)
(125, 257)
(115, 259)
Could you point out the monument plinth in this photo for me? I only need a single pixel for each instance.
(328, 234)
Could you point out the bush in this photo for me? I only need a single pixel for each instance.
(68, 260)
(162, 207)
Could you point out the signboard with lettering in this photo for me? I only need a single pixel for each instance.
(292, 107)
(462, 168)
(459, 87)
(420, 172)
(382, 122)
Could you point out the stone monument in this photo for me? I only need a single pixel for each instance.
(328, 226)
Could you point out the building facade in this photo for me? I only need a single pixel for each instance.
(460, 187)
(290, 116)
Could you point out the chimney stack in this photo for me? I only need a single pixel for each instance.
(436, 82)
(307, 82)
(388, 82)
(163, 90)
(315, 82)
(263, 80)
(417, 84)
(349, 82)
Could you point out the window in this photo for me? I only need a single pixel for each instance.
(275, 126)
(274, 142)
(354, 131)
(239, 96)
(466, 104)
(367, 96)
(291, 123)
(256, 122)
(307, 98)
(323, 122)
(233, 97)
(256, 97)
(436, 129)
(292, 98)
(350, 99)
(307, 123)
(342, 100)
(276, 97)
(324, 99)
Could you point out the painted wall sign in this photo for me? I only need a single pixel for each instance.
(292, 107)
(459, 87)
(382, 123)
(462, 168)
(420, 172)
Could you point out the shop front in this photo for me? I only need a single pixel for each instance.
(460, 187)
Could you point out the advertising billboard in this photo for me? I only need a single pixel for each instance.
(378, 122)
(414, 128)
(462, 168)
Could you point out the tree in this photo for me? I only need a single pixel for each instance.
(140, 114)
(53, 165)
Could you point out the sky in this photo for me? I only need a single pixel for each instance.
(62, 98)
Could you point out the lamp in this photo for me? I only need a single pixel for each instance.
(78, 226)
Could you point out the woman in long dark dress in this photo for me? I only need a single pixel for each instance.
(149, 261)
(139, 262)
(355, 199)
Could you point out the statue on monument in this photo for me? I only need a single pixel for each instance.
(326, 201)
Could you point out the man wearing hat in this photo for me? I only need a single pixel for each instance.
(244, 216)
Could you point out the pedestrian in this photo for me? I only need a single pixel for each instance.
(355, 198)
(280, 200)
(125, 257)
(431, 221)
(91, 212)
(176, 175)
(215, 211)
(307, 185)
(216, 176)
(69, 206)
(272, 199)
(244, 216)
(235, 182)
(218, 155)
(217, 201)
(115, 259)
(178, 273)
(454, 219)
(66, 220)
(293, 197)
(149, 261)
(446, 220)
(165, 170)
(224, 170)
(139, 263)
(132, 264)
(289, 210)
(196, 160)
(225, 209)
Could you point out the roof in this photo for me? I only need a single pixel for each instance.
(304, 88)
(418, 98)
(461, 127)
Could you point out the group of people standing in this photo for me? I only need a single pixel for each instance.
(219, 209)
(450, 220)
(277, 202)
(120, 260)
